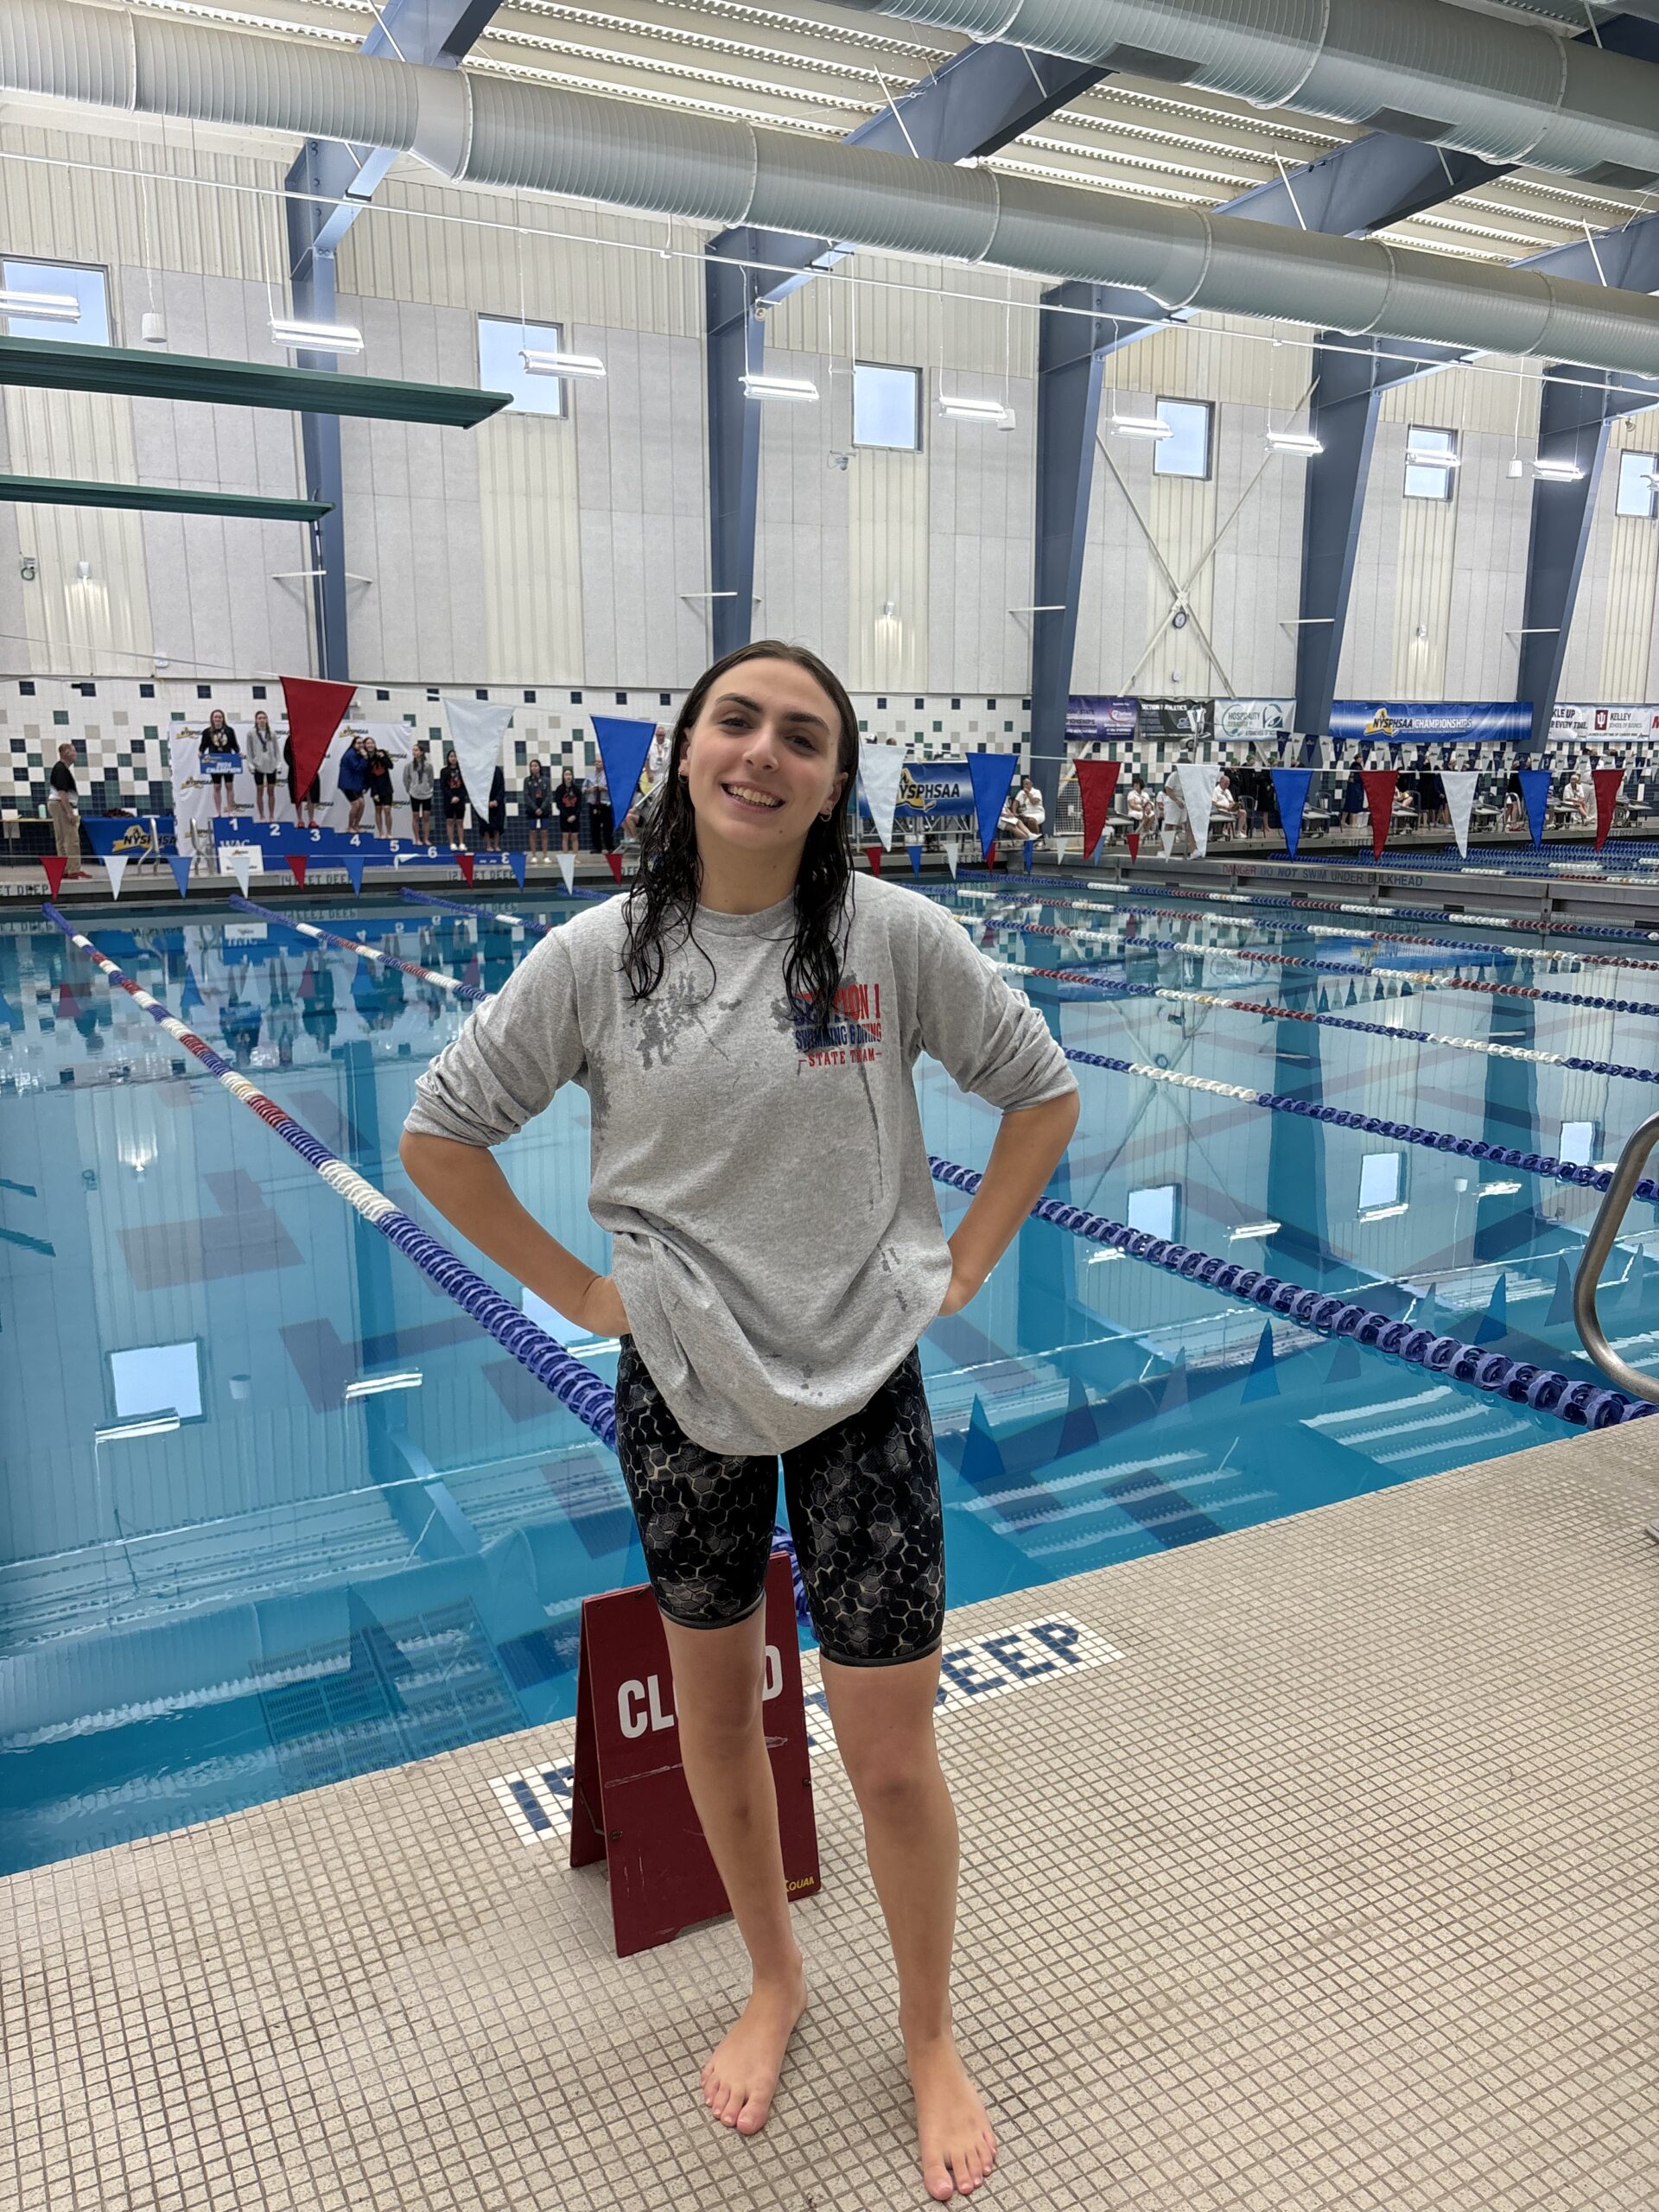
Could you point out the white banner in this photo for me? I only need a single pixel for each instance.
(476, 730)
(1198, 792)
(1624, 724)
(952, 847)
(879, 768)
(1458, 785)
(116, 865)
(1250, 718)
(192, 796)
(568, 869)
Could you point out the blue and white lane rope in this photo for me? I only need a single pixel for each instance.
(1584, 1404)
(453, 984)
(590, 1399)
(475, 910)
(576, 1387)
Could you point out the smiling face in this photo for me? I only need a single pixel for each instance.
(762, 761)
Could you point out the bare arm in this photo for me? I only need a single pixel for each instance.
(465, 1183)
(1027, 1150)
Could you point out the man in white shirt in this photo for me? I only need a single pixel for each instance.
(1176, 825)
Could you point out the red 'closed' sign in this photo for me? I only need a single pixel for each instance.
(630, 1805)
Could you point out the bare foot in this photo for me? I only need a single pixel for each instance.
(741, 2077)
(952, 2128)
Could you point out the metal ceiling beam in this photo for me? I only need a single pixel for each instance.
(152, 498)
(977, 101)
(329, 185)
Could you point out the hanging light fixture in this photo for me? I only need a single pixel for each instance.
(541, 364)
(1140, 426)
(1557, 472)
(1301, 443)
(315, 337)
(765, 387)
(41, 307)
(991, 412)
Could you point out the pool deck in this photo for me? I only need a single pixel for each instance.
(1331, 1890)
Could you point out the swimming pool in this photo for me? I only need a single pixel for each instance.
(368, 1536)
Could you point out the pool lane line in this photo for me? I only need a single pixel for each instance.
(1083, 978)
(1552, 928)
(577, 1388)
(1584, 1404)
(444, 982)
(1426, 978)
(489, 913)
(1327, 929)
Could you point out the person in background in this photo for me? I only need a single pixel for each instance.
(568, 799)
(1141, 806)
(305, 807)
(538, 805)
(453, 786)
(1353, 799)
(1178, 830)
(63, 807)
(1028, 809)
(492, 824)
(265, 759)
(218, 756)
(599, 832)
(352, 779)
(1576, 795)
(1515, 796)
(417, 790)
(380, 787)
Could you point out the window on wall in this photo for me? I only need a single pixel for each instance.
(1638, 486)
(886, 407)
(1153, 1209)
(501, 346)
(1185, 451)
(1428, 476)
(55, 283)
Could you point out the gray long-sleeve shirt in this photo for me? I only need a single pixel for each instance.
(775, 1236)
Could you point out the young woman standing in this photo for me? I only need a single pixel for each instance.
(537, 801)
(264, 758)
(567, 797)
(746, 1022)
(451, 786)
(219, 756)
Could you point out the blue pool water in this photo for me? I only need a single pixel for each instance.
(302, 1582)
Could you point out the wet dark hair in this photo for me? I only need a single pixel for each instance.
(664, 892)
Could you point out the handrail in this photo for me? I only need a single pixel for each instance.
(1610, 1217)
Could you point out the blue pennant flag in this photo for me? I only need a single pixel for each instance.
(992, 777)
(623, 745)
(1534, 789)
(1290, 788)
(1495, 1322)
(915, 860)
(354, 864)
(515, 862)
(1030, 848)
(1261, 1381)
(180, 864)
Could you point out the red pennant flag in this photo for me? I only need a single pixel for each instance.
(1098, 785)
(296, 861)
(464, 863)
(872, 854)
(54, 869)
(1134, 844)
(615, 859)
(315, 710)
(1608, 782)
(1379, 799)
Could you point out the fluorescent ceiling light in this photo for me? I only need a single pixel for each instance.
(152, 1425)
(561, 365)
(370, 1386)
(1140, 426)
(1557, 472)
(763, 387)
(1420, 457)
(43, 306)
(316, 337)
(1297, 442)
(991, 411)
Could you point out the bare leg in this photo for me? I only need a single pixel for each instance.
(883, 1719)
(717, 1680)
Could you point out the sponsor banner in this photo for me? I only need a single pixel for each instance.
(1437, 722)
(1570, 719)
(929, 790)
(1176, 718)
(127, 835)
(1089, 716)
(1253, 718)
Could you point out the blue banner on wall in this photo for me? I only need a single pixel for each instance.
(929, 790)
(1088, 716)
(127, 834)
(1435, 721)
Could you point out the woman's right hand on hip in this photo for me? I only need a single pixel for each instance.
(601, 1311)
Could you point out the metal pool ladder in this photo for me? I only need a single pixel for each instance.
(1604, 1229)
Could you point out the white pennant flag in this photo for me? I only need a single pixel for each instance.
(879, 768)
(1199, 780)
(1060, 844)
(1459, 784)
(568, 869)
(116, 865)
(242, 868)
(476, 730)
(952, 848)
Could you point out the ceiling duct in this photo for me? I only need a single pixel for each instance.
(488, 131)
(1507, 90)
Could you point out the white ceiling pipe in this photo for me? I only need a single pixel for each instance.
(487, 130)
(1509, 91)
